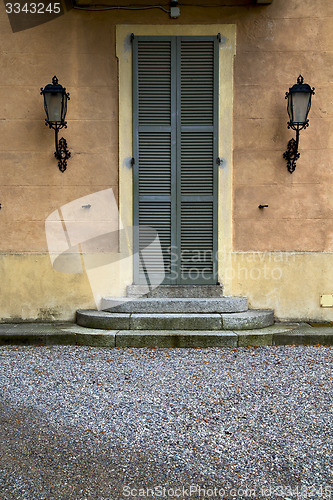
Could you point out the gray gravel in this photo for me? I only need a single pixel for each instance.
(98, 423)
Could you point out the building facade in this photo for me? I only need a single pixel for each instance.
(176, 123)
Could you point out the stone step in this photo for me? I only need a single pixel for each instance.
(69, 334)
(173, 291)
(174, 305)
(248, 320)
(175, 338)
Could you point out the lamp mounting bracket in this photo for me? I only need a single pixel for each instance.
(291, 155)
(62, 154)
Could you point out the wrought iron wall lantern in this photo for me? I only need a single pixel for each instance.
(299, 103)
(55, 104)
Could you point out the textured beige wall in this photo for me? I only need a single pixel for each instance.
(274, 44)
(32, 290)
(31, 184)
(289, 38)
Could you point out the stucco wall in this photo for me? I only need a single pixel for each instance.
(289, 39)
(275, 43)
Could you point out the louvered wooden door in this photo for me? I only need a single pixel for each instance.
(175, 115)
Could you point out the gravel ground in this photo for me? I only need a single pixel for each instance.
(97, 423)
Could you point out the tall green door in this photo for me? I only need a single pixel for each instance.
(175, 131)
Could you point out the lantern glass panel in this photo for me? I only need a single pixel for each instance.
(289, 107)
(300, 106)
(53, 102)
(64, 107)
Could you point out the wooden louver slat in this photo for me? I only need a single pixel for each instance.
(197, 83)
(197, 238)
(154, 83)
(197, 162)
(154, 163)
(158, 216)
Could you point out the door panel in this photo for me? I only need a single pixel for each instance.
(175, 92)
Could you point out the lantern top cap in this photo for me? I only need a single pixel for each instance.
(54, 87)
(300, 86)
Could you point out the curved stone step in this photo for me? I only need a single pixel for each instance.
(249, 320)
(173, 291)
(175, 305)
(176, 321)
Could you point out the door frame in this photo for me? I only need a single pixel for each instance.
(227, 49)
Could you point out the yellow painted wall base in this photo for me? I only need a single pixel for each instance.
(291, 283)
(32, 290)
